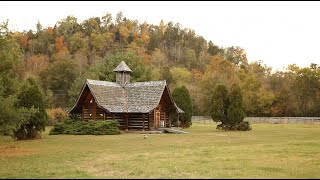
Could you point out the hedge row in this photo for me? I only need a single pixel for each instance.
(85, 128)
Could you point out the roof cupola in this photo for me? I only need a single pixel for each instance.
(122, 73)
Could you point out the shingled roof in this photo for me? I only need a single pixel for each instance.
(122, 67)
(138, 97)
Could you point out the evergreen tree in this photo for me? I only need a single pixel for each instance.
(236, 110)
(229, 109)
(30, 98)
(182, 98)
(220, 104)
(213, 49)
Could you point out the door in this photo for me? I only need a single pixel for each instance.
(157, 119)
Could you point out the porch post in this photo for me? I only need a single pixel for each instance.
(149, 121)
(165, 119)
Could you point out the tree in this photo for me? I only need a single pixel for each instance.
(10, 62)
(106, 22)
(229, 109)
(213, 49)
(59, 78)
(158, 59)
(236, 55)
(219, 71)
(182, 98)
(102, 42)
(236, 110)
(78, 42)
(285, 102)
(306, 87)
(11, 118)
(92, 25)
(67, 26)
(73, 92)
(59, 45)
(36, 63)
(190, 59)
(8, 115)
(180, 76)
(35, 121)
(220, 104)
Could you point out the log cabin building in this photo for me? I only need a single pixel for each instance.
(134, 106)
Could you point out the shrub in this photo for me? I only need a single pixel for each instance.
(85, 128)
(56, 115)
(244, 126)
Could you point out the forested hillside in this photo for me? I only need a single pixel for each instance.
(60, 58)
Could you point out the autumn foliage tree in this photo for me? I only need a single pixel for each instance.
(59, 46)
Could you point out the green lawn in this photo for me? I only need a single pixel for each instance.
(268, 151)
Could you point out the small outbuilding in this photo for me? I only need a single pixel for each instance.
(135, 106)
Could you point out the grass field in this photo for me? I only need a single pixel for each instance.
(268, 151)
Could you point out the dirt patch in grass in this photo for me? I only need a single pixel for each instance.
(13, 150)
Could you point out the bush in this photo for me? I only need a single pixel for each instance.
(85, 128)
(223, 127)
(56, 115)
(244, 126)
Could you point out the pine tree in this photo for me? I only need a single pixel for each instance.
(229, 109)
(181, 96)
(219, 104)
(236, 110)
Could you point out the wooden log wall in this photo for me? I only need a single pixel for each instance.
(100, 114)
(88, 114)
(168, 124)
(119, 118)
(136, 122)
